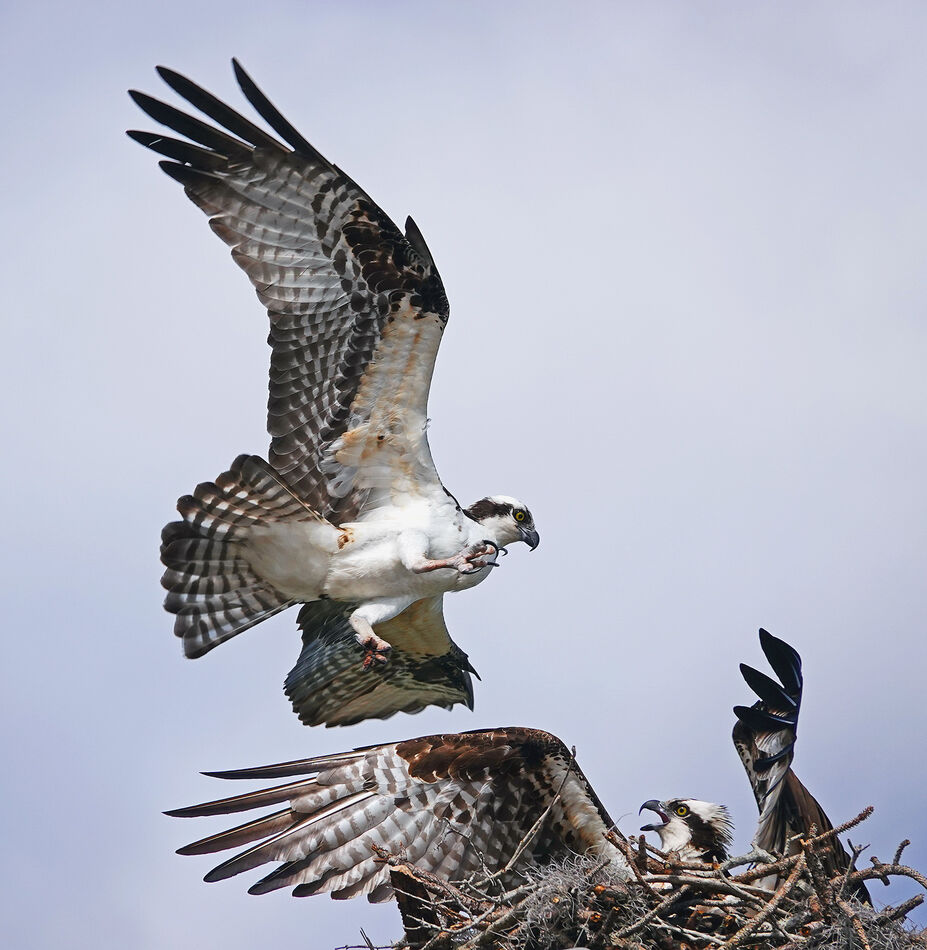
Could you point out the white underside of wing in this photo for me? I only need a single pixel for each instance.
(384, 451)
(578, 810)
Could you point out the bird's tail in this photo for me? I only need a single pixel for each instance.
(212, 587)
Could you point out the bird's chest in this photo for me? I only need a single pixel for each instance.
(372, 560)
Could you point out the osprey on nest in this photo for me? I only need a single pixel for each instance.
(764, 736)
(462, 803)
(348, 517)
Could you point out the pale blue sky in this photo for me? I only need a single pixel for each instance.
(683, 245)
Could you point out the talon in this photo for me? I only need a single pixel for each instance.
(376, 653)
(490, 544)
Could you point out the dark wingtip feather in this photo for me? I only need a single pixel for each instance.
(270, 114)
(216, 109)
(283, 770)
(189, 849)
(141, 99)
(759, 720)
(178, 150)
(220, 873)
(168, 74)
(785, 661)
(769, 691)
(187, 176)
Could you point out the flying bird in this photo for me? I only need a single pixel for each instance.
(347, 516)
(764, 736)
(453, 805)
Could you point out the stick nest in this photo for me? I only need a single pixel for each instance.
(667, 905)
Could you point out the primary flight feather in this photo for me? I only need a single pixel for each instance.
(453, 805)
(347, 516)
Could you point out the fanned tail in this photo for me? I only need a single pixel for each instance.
(212, 587)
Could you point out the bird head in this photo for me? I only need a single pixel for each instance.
(696, 830)
(505, 520)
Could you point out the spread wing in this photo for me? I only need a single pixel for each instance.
(764, 736)
(455, 805)
(356, 308)
(329, 684)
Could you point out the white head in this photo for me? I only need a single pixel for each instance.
(505, 520)
(697, 830)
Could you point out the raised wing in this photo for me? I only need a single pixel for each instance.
(329, 684)
(454, 805)
(357, 309)
(764, 736)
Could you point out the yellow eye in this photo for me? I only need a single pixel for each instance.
(682, 810)
(519, 515)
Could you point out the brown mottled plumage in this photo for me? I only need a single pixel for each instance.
(454, 805)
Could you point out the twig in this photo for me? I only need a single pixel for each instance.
(856, 922)
(652, 913)
(768, 910)
(902, 910)
(901, 847)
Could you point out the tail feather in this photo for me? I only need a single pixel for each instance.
(212, 587)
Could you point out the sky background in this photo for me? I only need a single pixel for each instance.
(684, 248)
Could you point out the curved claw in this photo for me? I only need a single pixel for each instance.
(496, 547)
(475, 570)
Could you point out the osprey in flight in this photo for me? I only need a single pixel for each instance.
(457, 804)
(348, 517)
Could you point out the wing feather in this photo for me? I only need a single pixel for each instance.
(452, 804)
(329, 685)
(764, 736)
(356, 308)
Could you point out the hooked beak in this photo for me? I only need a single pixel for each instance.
(530, 537)
(654, 806)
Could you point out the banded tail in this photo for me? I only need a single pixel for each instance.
(212, 587)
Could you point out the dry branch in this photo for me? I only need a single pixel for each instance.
(666, 905)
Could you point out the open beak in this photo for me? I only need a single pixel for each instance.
(530, 537)
(654, 806)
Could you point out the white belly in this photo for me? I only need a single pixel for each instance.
(370, 565)
(360, 561)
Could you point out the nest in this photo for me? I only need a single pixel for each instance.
(667, 905)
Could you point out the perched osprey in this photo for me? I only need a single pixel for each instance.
(695, 830)
(764, 736)
(348, 517)
(454, 805)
